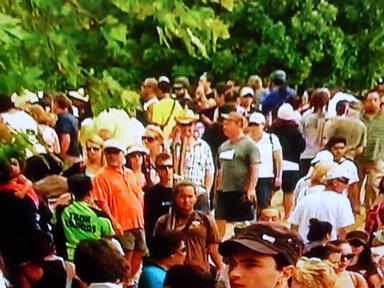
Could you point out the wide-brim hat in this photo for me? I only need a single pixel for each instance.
(186, 117)
(153, 131)
(137, 149)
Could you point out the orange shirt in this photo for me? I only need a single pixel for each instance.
(118, 188)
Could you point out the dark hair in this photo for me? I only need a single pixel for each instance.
(6, 103)
(80, 185)
(5, 172)
(163, 157)
(221, 88)
(145, 167)
(164, 87)
(164, 244)
(318, 99)
(231, 96)
(322, 251)
(188, 276)
(281, 261)
(183, 184)
(40, 166)
(41, 245)
(318, 230)
(97, 261)
(341, 107)
(334, 140)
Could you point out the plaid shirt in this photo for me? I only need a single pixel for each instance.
(198, 162)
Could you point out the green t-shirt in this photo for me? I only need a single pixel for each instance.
(80, 221)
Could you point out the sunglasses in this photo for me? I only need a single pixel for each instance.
(112, 151)
(164, 167)
(345, 257)
(93, 149)
(343, 180)
(148, 139)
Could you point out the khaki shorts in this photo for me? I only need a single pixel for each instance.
(133, 240)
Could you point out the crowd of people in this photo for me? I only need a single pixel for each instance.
(180, 194)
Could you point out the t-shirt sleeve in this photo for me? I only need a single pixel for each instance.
(65, 125)
(294, 218)
(106, 227)
(254, 154)
(99, 190)
(345, 215)
(276, 146)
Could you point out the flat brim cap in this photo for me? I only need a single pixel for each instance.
(227, 247)
(232, 116)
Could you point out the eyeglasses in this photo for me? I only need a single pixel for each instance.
(96, 149)
(164, 167)
(345, 257)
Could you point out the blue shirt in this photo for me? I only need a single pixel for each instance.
(68, 124)
(277, 97)
(152, 276)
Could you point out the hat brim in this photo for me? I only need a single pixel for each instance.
(226, 248)
(186, 120)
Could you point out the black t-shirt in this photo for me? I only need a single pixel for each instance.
(157, 201)
(67, 124)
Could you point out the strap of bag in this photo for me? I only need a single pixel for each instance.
(170, 115)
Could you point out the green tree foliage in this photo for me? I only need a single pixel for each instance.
(110, 46)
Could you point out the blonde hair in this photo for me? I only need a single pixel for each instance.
(95, 139)
(315, 273)
(40, 115)
(320, 171)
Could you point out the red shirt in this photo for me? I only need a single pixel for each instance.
(118, 188)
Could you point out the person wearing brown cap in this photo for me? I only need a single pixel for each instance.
(193, 159)
(238, 161)
(261, 255)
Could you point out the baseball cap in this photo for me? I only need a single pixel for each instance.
(268, 239)
(256, 118)
(164, 79)
(247, 91)
(279, 75)
(322, 156)
(285, 112)
(235, 116)
(181, 82)
(113, 143)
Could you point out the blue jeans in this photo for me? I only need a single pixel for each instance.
(263, 193)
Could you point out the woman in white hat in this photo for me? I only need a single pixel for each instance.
(137, 158)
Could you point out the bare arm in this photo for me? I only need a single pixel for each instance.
(252, 181)
(295, 227)
(278, 158)
(215, 256)
(65, 140)
(341, 233)
(208, 181)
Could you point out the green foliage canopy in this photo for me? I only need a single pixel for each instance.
(110, 46)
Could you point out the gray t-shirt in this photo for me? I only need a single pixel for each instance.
(234, 159)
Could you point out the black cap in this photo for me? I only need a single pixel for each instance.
(268, 239)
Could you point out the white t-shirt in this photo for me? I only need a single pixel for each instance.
(309, 190)
(327, 206)
(350, 168)
(266, 145)
(20, 121)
